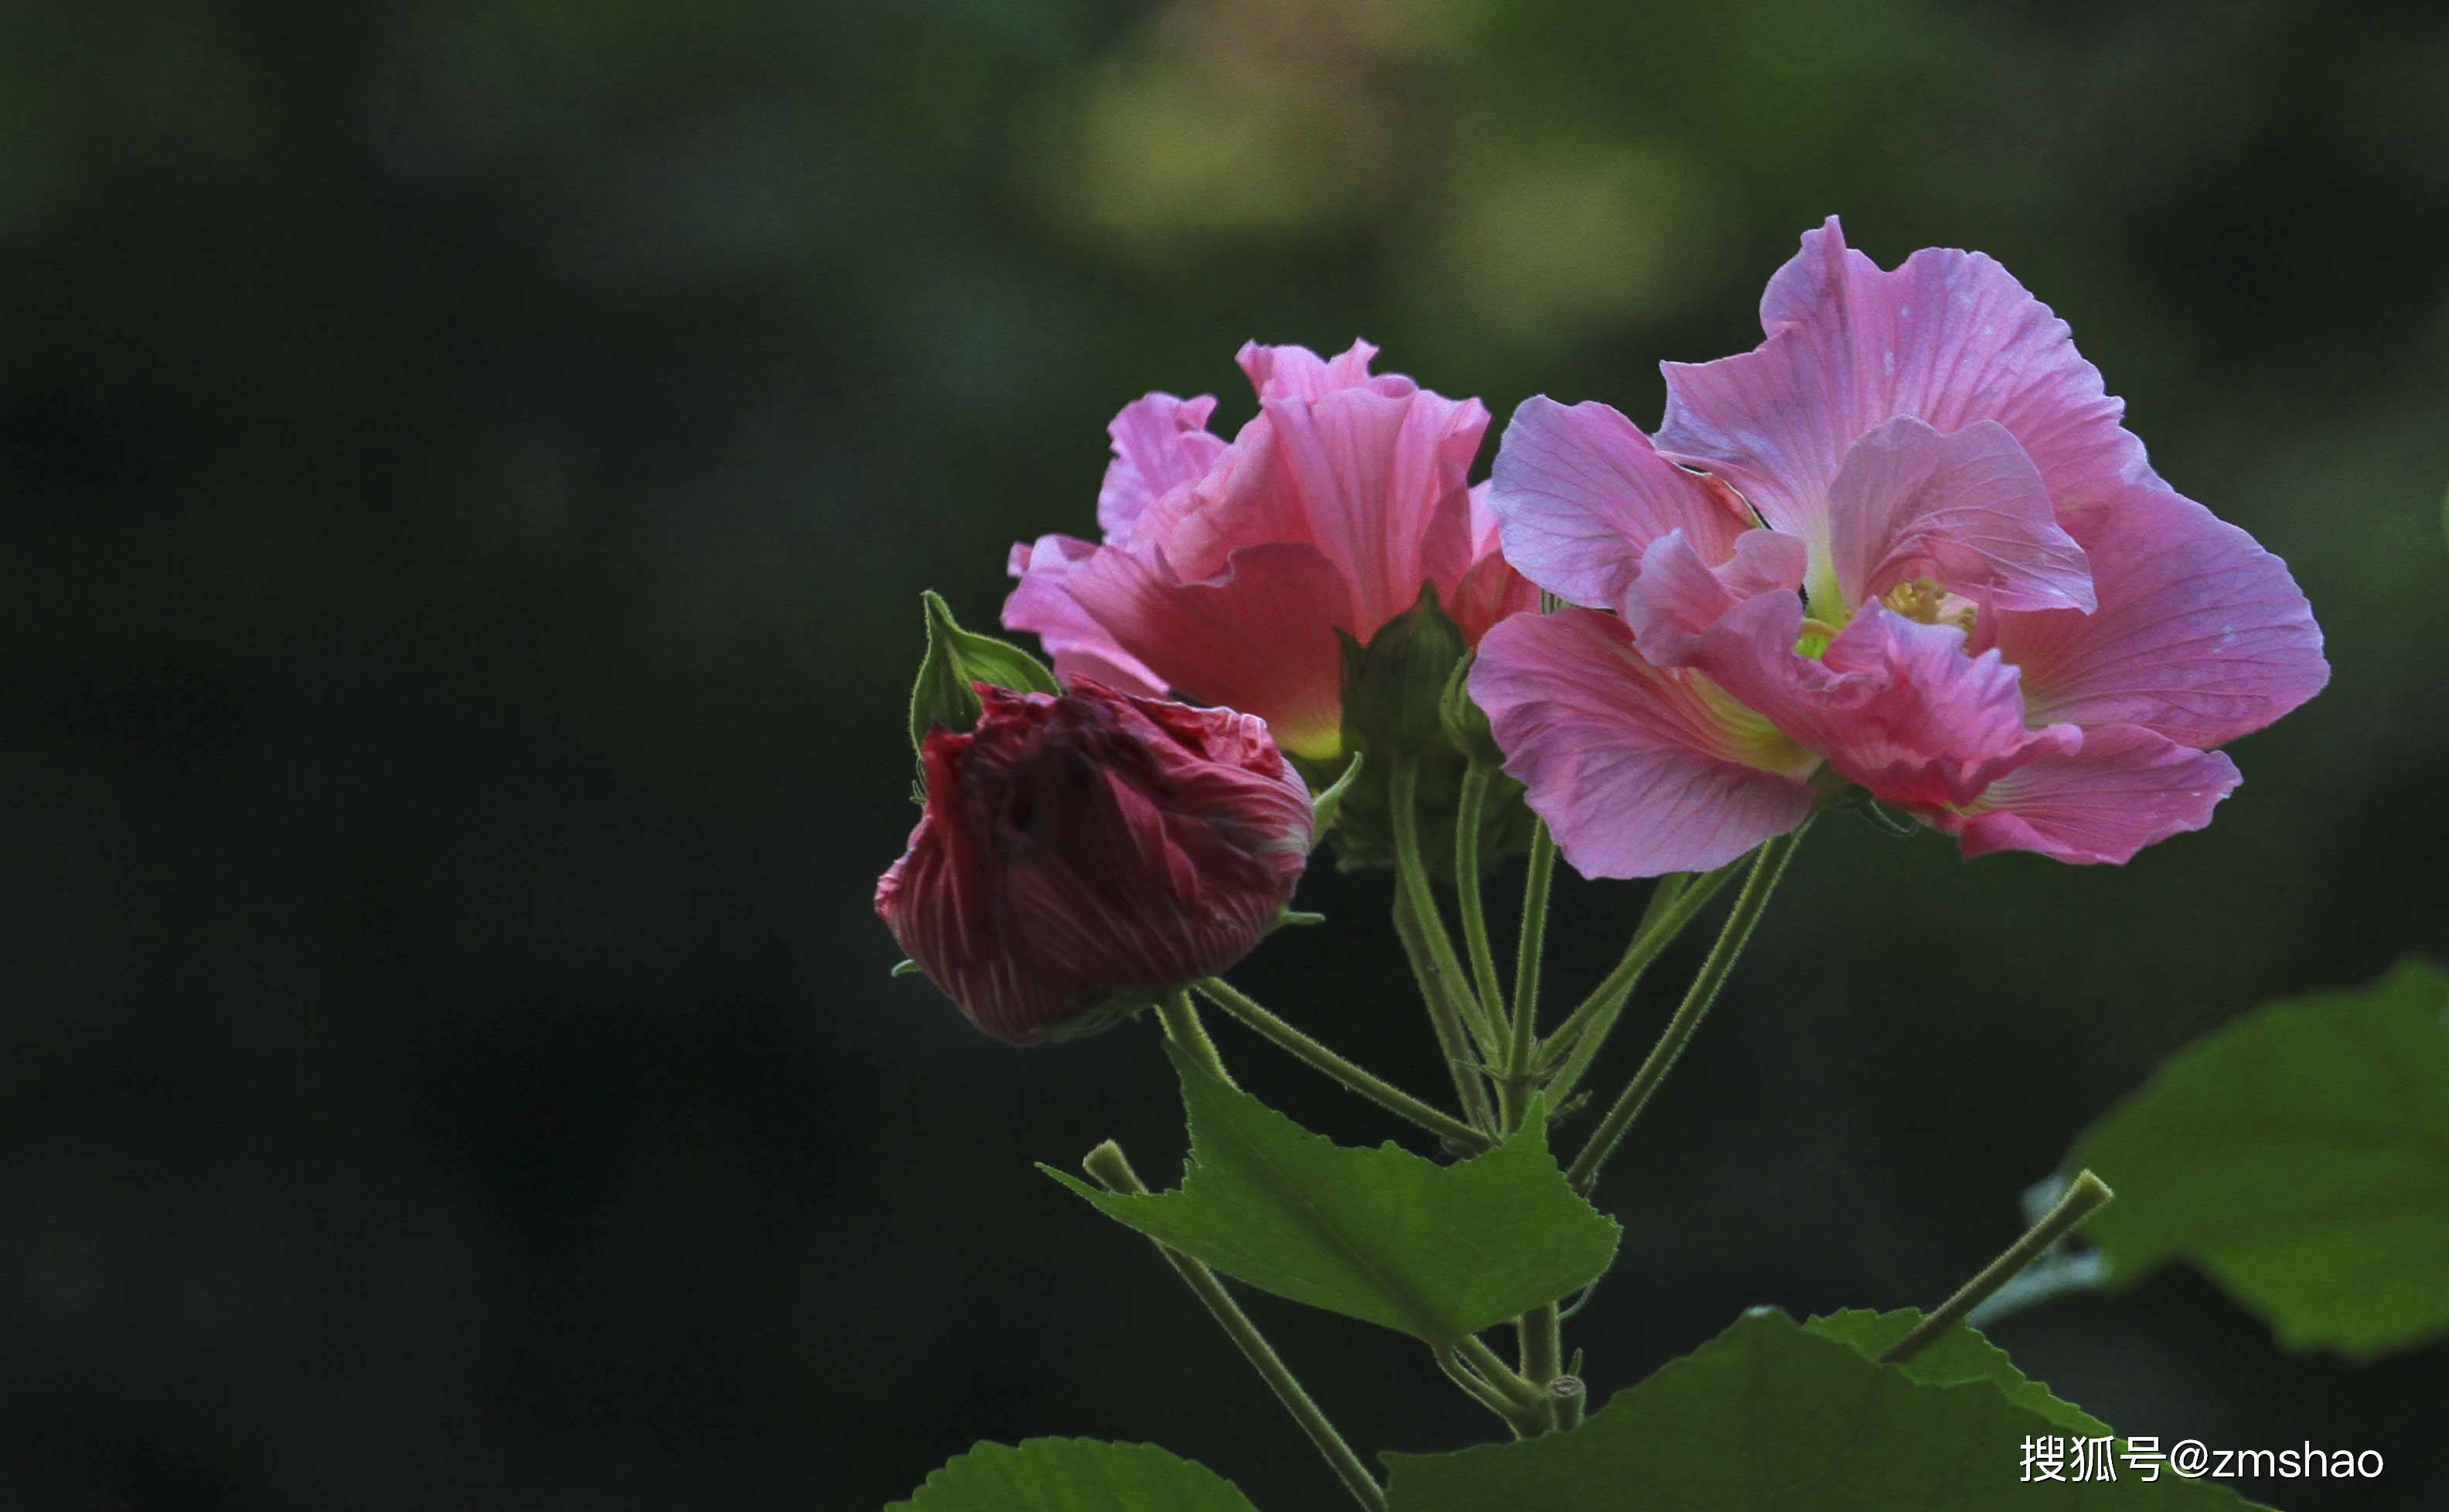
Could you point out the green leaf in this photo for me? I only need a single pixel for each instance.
(2300, 1157)
(1073, 1475)
(957, 658)
(1434, 1252)
(1770, 1416)
(1956, 1356)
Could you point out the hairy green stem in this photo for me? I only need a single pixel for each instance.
(1412, 880)
(1517, 1417)
(2084, 1196)
(1542, 1331)
(1768, 864)
(1284, 1037)
(1677, 901)
(1452, 1046)
(1474, 918)
(1182, 1025)
(1111, 1170)
(1521, 1049)
(1478, 1370)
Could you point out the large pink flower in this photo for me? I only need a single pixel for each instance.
(1906, 541)
(1226, 569)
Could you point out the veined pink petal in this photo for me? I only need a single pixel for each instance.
(2200, 635)
(1968, 507)
(1259, 638)
(1638, 770)
(1381, 481)
(2125, 788)
(1160, 442)
(1582, 493)
(1894, 705)
(1950, 338)
(1298, 372)
(1678, 597)
(1043, 605)
(1489, 592)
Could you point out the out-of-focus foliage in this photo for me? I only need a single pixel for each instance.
(2301, 1156)
(471, 466)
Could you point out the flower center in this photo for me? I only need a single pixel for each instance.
(1927, 600)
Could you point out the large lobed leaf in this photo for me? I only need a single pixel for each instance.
(2300, 1156)
(1434, 1252)
(1073, 1475)
(1772, 1416)
(1955, 1357)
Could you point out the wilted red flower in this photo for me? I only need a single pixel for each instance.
(1082, 853)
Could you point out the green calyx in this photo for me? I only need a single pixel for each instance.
(1394, 687)
(1407, 697)
(1466, 723)
(956, 662)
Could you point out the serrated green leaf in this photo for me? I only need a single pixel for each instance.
(957, 659)
(1955, 1357)
(1769, 1417)
(2300, 1157)
(1073, 1475)
(1434, 1252)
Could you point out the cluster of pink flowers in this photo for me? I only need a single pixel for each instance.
(1904, 548)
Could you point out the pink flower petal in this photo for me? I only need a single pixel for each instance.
(2200, 635)
(1968, 507)
(1489, 592)
(1382, 482)
(1043, 605)
(1259, 638)
(1677, 597)
(1160, 442)
(1894, 705)
(1950, 338)
(1582, 493)
(1638, 772)
(2125, 788)
(1298, 372)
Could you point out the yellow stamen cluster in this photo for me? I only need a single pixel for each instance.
(1926, 599)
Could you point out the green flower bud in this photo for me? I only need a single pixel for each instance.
(1393, 688)
(1466, 725)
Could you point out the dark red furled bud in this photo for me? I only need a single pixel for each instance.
(1084, 853)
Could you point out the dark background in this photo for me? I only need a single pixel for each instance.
(472, 470)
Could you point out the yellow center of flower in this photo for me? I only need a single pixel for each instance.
(1927, 600)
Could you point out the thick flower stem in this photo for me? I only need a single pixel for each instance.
(1394, 1099)
(1110, 1170)
(1768, 864)
(1492, 1383)
(1474, 804)
(1182, 1025)
(1542, 1331)
(1513, 1085)
(1411, 882)
(1452, 1046)
(2084, 1195)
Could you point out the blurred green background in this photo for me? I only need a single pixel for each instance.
(474, 466)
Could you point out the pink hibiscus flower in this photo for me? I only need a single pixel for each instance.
(1227, 567)
(1920, 554)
